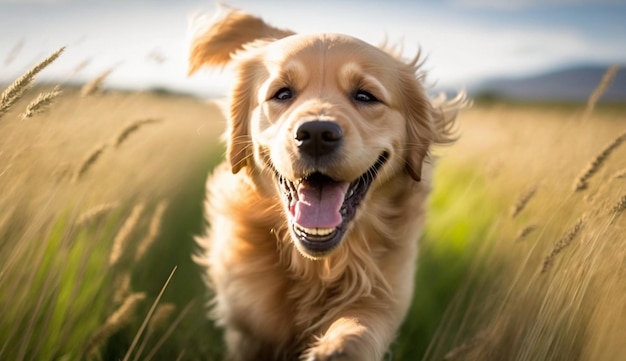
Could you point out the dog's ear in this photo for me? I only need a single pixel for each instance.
(419, 128)
(428, 121)
(214, 41)
(243, 100)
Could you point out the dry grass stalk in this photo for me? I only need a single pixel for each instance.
(123, 235)
(148, 316)
(169, 331)
(95, 213)
(593, 167)
(153, 230)
(41, 103)
(89, 160)
(95, 85)
(115, 322)
(620, 206)
(131, 128)
(121, 287)
(521, 203)
(80, 66)
(14, 52)
(161, 315)
(620, 175)
(524, 233)
(16, 90)
(565, 241)
(605, 83)
(463, 348)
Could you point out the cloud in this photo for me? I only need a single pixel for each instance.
(37, 2)
(525, 4)
(461, 46)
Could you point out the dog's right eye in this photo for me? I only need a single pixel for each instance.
(283, 94)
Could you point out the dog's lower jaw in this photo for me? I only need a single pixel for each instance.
(318, 249)
(320, 209)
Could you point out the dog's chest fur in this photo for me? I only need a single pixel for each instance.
(261, 279)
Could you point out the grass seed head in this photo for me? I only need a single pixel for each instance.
(605, 83)
(89, 161)
(153, 230)
(521, 203)
(115, 322)
(95, 213)
(41, 103)
(524, 233)
(122, 287)
(620, 206)
(123, 235)
(95, 85)
(593, 167)
(160, 317)
(562, 243)
(130, 128)
(13, 53)
(16, 90)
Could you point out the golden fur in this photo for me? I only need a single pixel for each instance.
(277, 298)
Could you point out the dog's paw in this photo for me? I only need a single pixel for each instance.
(336, 355)
(328, 350)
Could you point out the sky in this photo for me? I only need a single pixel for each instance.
(145, 42)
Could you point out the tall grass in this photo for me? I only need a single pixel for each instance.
(15, 91)
(547, 283)
(102, 195)
(79, 268)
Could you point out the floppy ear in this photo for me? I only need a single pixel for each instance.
(419, 128)
(214, 41)
(428, 121)
(242, 101)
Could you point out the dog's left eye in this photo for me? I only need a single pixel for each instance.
(365, 97)
(283, 94)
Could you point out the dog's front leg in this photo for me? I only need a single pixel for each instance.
(354, 337)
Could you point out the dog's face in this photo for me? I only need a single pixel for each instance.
(327, 122)
(322, 122)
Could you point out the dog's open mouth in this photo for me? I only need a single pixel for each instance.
(320, 208)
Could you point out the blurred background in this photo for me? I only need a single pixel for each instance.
(525, 48)
(105, 148)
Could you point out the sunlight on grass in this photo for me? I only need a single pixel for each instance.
(541, 282)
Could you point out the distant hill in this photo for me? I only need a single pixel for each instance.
(574, 83)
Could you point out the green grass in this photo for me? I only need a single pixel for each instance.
(461, 212)
(62, 291)
(57, 288)
(71, 270)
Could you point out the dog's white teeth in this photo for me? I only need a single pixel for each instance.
(317, 231)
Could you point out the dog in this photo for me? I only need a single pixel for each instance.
(314, 217)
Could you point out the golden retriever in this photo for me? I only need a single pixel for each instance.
(316, 214)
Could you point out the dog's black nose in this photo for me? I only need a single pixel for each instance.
(317, 138)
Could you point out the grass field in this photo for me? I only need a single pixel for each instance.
(101, 194)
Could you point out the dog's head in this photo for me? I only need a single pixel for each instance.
(327, 117)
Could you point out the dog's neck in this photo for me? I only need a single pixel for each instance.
(355, 264)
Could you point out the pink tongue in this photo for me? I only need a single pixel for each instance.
(318, 205)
